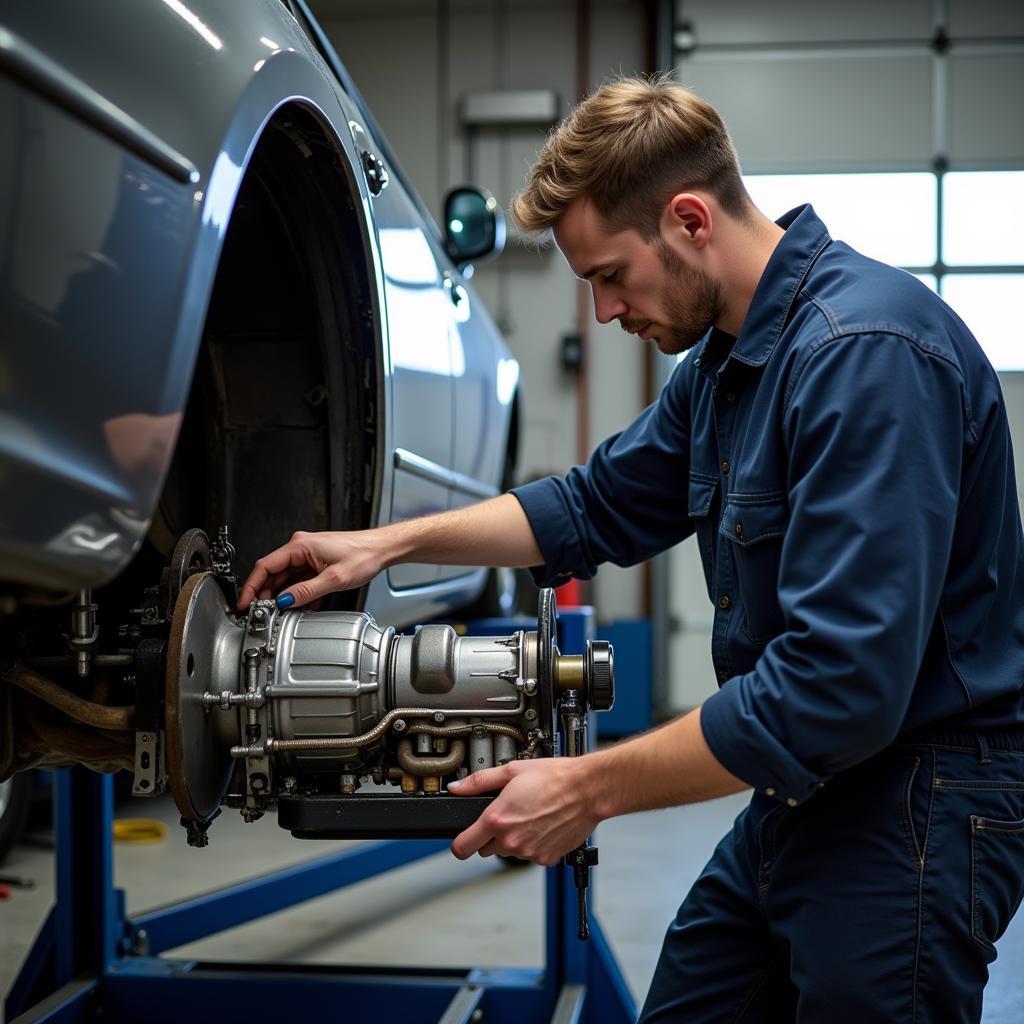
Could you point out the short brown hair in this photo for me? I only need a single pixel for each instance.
(628, 148)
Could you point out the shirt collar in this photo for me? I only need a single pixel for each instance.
(804, 239)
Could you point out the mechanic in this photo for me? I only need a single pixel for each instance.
(838, 442)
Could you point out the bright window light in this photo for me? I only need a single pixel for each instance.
(889, 217)
(990, 306)
(983, 217)
(928, 279)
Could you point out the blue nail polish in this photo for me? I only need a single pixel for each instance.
(285, 601)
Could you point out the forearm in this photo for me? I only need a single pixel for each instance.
(494, 532)
(666, 767)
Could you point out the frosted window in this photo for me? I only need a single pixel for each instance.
(890, 217)
(983, 217)
(990, 305)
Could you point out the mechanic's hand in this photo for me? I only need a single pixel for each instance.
(541, 813)
(324, 562)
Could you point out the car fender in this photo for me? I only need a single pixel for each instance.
(133, 325)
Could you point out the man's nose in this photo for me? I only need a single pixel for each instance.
(608, 308)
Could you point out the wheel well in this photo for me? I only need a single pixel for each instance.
(281, 428)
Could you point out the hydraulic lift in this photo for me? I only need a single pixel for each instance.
(93, 962)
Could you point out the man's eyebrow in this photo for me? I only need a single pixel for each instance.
(596, 270)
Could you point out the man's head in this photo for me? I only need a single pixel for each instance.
(632, 183)
(628, 148)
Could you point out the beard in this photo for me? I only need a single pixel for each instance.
(692, 301)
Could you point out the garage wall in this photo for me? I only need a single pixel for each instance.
(414, 61)
(824, 85)
(805, 85)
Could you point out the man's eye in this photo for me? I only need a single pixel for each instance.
(612, 277)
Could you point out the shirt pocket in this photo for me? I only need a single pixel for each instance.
(700, 509)
(755, 532)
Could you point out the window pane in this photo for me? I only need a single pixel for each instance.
(990, 306)
(983, 217)
(890, 217)
(928, 279)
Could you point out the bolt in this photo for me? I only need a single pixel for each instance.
(531, 686)
(145, 737)
(439, 717)
(140, 943)
(400, 725)
(531, 714)
(260, 614)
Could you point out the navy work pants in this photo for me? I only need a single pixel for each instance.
(877, 900)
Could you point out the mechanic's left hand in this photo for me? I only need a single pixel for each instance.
(541, 813)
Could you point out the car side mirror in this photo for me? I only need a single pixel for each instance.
(474, 226)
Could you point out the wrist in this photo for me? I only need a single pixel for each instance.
(392, 545)
(597, 786)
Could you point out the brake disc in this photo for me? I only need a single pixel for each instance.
(201, 652)
(191, 555)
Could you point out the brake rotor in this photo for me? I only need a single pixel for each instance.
(191, 555)
(547, 651)
(203, 652)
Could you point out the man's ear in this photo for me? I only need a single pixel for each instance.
(688, 218)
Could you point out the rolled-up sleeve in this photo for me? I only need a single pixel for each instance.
(627, 503)
(875, 428)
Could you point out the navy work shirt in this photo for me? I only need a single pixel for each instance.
(846, 465)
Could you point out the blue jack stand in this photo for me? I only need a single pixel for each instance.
(91, 962)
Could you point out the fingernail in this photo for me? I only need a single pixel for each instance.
(285, 601)
(454, 783)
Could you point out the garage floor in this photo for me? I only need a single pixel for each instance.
(439, 912)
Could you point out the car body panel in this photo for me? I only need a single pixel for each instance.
(107, 261)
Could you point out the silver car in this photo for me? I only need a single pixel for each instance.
(221, 305)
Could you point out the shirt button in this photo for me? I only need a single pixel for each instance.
(724, 602)
(696, 362)
(738, 530)
(725, 465)
(770, 791)
(791, 802)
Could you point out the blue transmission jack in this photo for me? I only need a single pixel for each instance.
(91, 961)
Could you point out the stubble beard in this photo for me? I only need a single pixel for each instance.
(692, 302)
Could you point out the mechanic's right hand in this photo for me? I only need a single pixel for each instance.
(323, 563)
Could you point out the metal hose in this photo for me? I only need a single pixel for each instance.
(97, 715)
(467, 730)
(365, 739)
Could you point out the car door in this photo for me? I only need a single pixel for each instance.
(484, 380)
(419, 325)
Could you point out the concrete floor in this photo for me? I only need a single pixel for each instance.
(438, 912)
